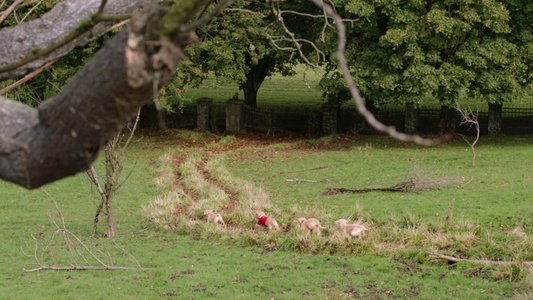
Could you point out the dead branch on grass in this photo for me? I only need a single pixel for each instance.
(304, 170)
(413, 183)
(81, 268)
(74, 244)
(300, 180)
(453, 259)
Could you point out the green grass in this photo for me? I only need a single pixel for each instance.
(277, 92)
(301, 92)
(189, 266)
(500, 178)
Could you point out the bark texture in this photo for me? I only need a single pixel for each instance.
(411, 118)
(25, 39)
(495, 119)
(255, 77)
(447, 119)
(63, 135)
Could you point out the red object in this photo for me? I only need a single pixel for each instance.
(262, 220)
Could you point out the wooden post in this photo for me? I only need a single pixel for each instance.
(203, 113)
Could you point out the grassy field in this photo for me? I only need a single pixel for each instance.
(194, 260)
(277, 91)
(301, 92)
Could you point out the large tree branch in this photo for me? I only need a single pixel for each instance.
(63, 135)
(66, 19)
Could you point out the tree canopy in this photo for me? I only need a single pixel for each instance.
(248, 43)
(404, 50)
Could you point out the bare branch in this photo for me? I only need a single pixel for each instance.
(26, 78)
(291, 36)
(102, 6)
(132, 130)
(31, 10)
(67, 235)
(205, 18)
(9, 10)
(93, 176)
(470, 119)
(275, 44)
(83, 268)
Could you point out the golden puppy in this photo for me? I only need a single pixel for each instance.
(263, 220)
(354, 230)
(310, 225)
(213, 217)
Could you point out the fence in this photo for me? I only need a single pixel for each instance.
(515, 120)
(256, 119)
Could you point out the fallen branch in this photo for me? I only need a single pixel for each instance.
(413, 183)
(454, 259)
(335, 191)
(76, 246)
(299, 180)
(82, 268)
(304, 170)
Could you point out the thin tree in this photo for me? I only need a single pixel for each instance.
(469, 119)
(107, 188)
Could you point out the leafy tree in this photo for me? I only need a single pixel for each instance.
(500, 53)
(239, 45)
(403, 51)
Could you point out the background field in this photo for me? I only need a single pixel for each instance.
(301, 92)
(184, 266)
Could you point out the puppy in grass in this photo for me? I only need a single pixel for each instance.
(310, 225)
(263, 220)
(213, 217)
(352, 230)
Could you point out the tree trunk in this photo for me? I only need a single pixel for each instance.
(111, 226)
(495, 119)
(447, 119)
(255, 77)
(411, 118)
(113, 166)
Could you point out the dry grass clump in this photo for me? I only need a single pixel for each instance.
(193, 180)
(162, 209)
(165, 171)
(250, 197)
